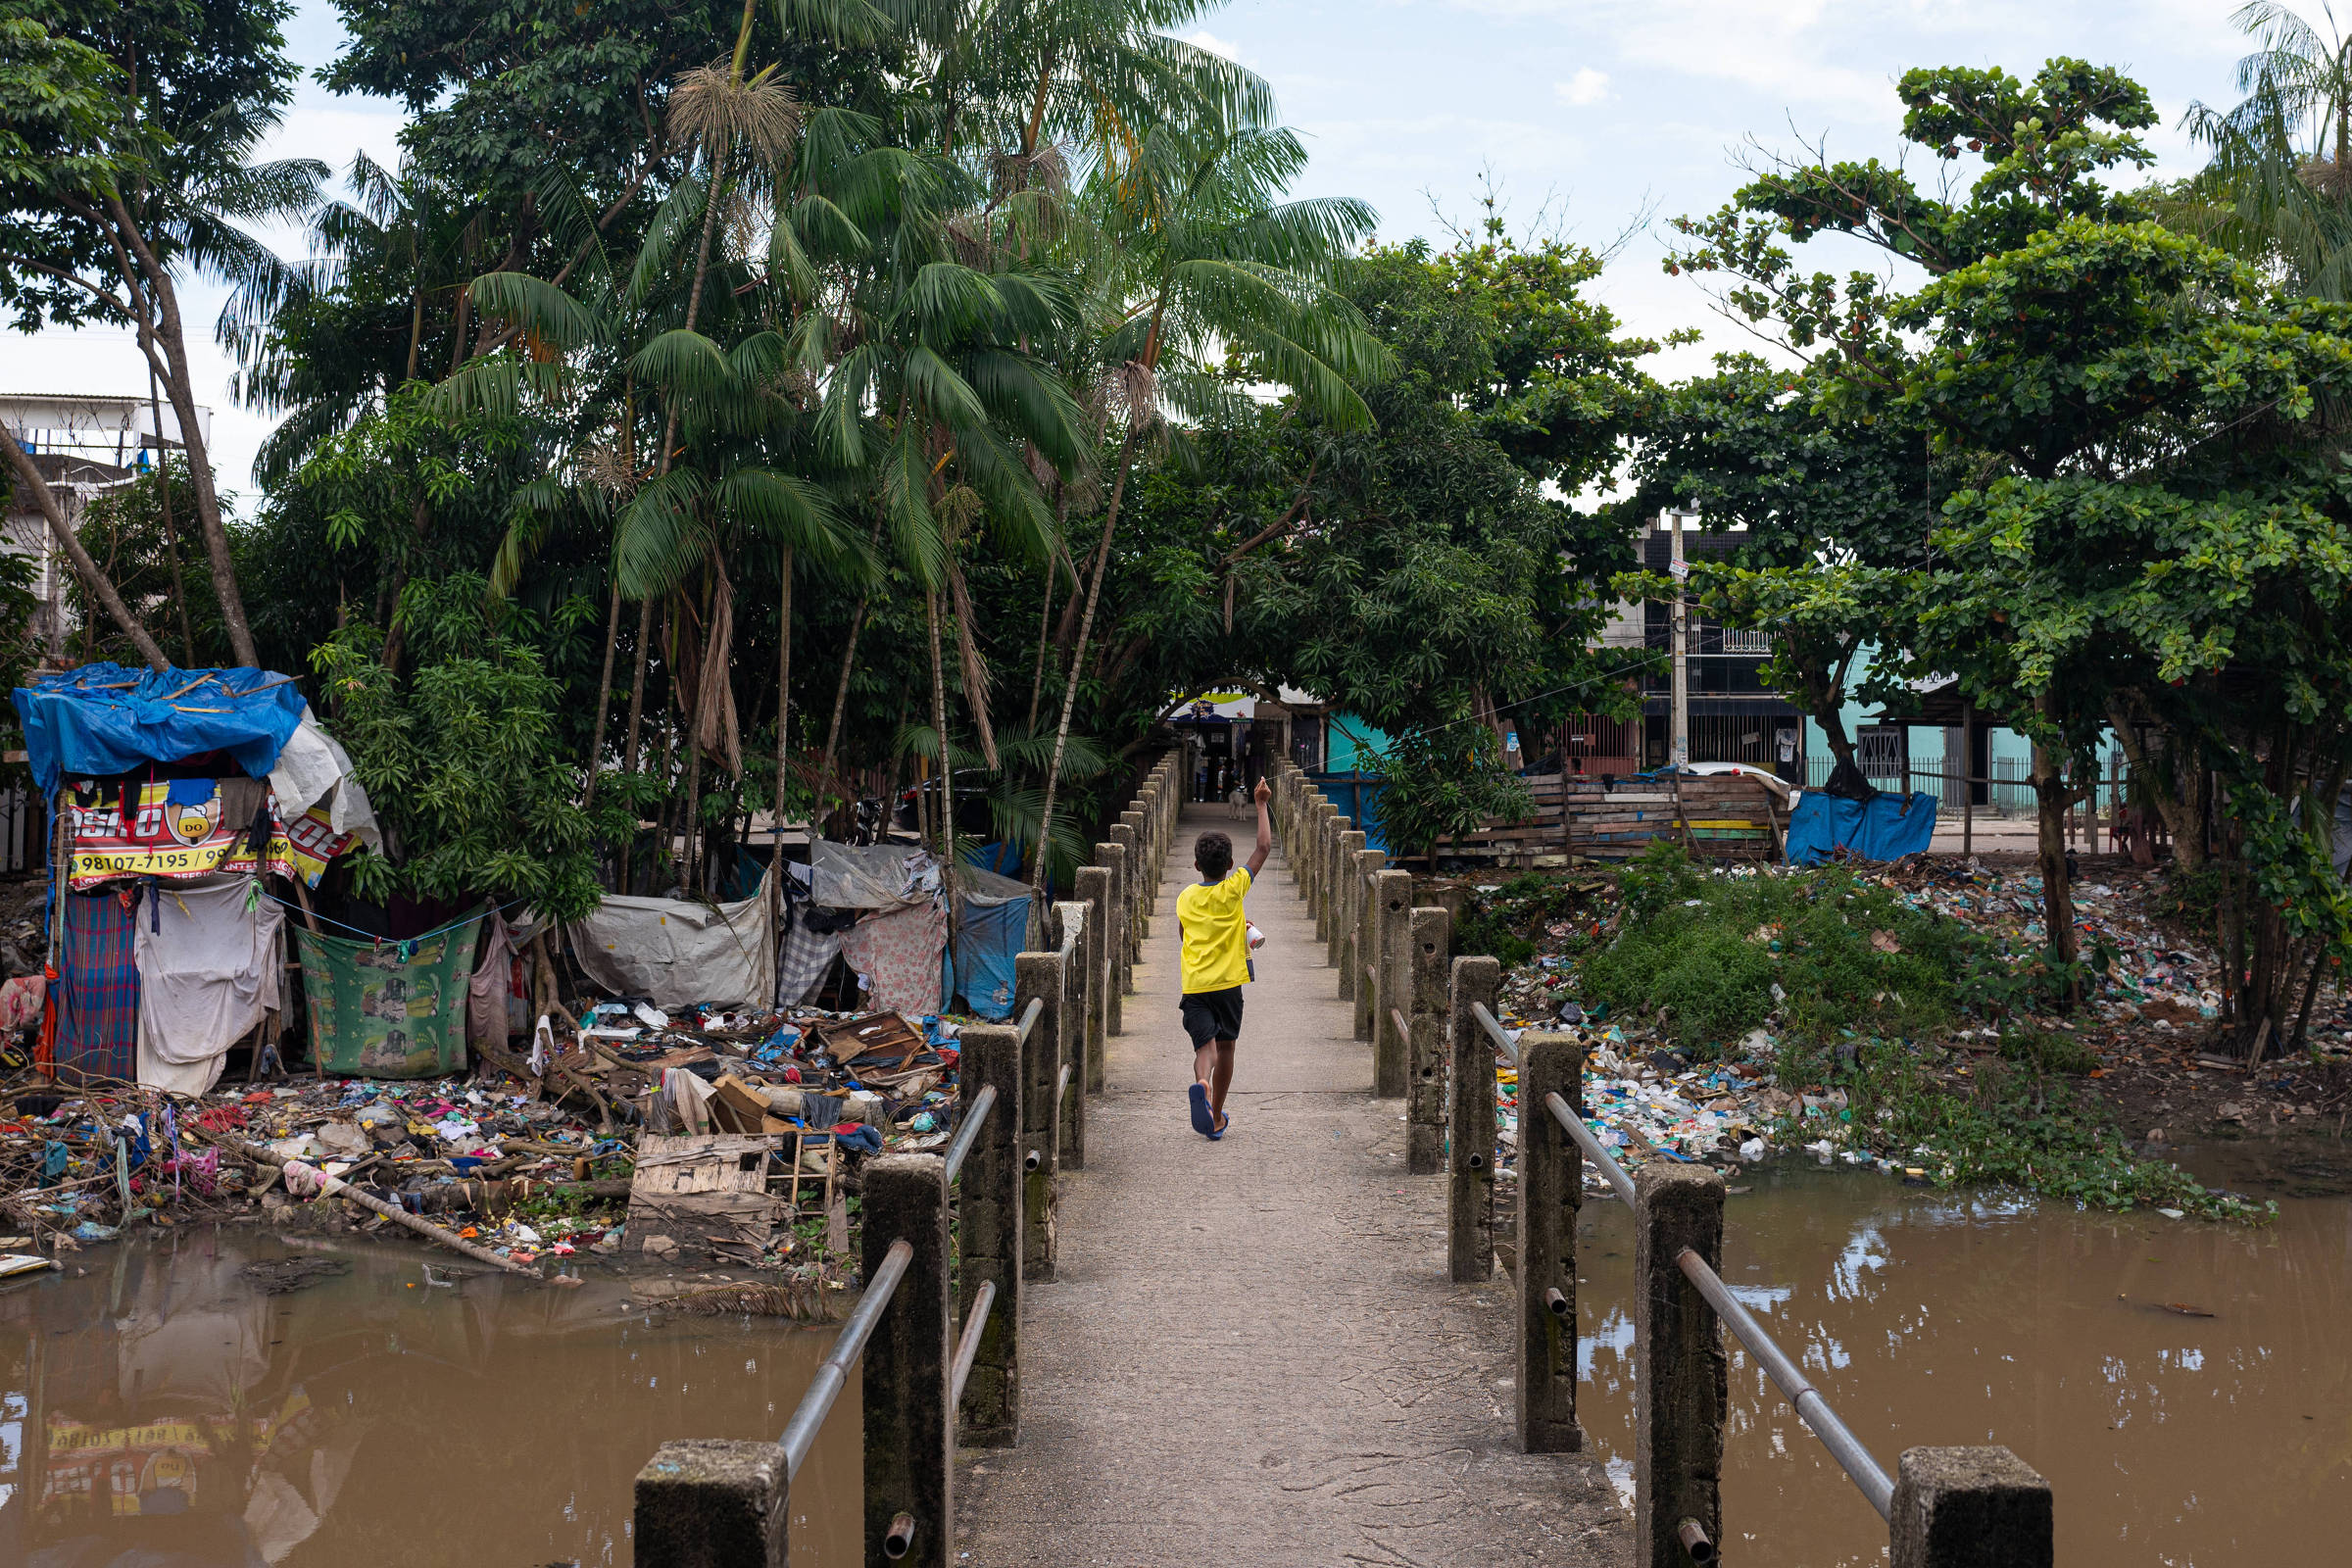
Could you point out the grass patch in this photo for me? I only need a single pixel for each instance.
(1818, 956)
(2022, 1126)
(1853, 984)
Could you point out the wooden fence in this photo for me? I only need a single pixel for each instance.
(1719, 816)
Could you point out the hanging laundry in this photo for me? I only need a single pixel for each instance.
(899, 953)
(98, 993)
(208, 959)
(388, 1010)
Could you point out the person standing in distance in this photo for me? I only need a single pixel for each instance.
(1214, 934)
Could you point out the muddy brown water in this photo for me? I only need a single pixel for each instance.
(1931, 1317)
(158, 1411)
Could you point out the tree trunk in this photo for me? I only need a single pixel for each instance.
(1069, 696)
(947, 776)
(174, 354)
(645, 648)
(2051, 799)
(29, 476)
(849, 655)
(775, 868)
(1826, 693)
(1044, 630)
(694, 779)
(2179, 794)
(162, 470)
(604, 701)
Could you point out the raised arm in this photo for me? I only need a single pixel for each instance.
(1266, 830)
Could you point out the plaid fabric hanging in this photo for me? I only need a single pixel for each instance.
(98, 996)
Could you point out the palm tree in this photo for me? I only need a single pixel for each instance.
(1198, 259)
(931, 391)
(2278, 187)
(386, 277)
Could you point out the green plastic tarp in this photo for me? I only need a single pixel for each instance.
(388, 1010)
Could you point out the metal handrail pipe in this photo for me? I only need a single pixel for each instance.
(967, 1348)
(969, 1133)
(1811, 1408)
(1575, 1127)
(1061, 1085)
(1029, 1018)
(1404, 1029)
(1494, 1030)
(833, 1372)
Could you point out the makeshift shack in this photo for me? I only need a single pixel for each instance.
(173, 796)
(675, 952)
(897, 944)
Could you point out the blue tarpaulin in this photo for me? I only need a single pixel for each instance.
(1885, 827)
(103, 719)
(1357, 796)
(987, 936)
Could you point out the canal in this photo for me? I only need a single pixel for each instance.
(158, 1410)
(2184, 1388)
(2183, 1385)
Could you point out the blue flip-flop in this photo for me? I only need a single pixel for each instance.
(1203, 1123)
(1221, 1130)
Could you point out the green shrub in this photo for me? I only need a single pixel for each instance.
(1711, 949)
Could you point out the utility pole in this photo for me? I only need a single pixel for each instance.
(1679, 747)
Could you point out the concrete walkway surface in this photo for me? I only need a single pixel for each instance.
(1251, 1353)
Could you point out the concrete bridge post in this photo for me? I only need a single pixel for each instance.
(1147, 877)
(712, 1503)
(1093, 891)
(1551, 1189)
(1350, 840)
(1431, 939)
(1969, 1508)
(1343, 936)
(1327, 832)
(1334, 873)
(1070, 1013)
(1364, 944)
(1470, 1194)
(1037, 977)
(910, 1437)
(1310, 811)
(988, 1237)
(1681, 1403)
(1114, 971)
(1392, 991)
(1131, 893)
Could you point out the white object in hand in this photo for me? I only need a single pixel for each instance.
(1258, 937)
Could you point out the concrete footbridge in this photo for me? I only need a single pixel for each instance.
(1136, 1346)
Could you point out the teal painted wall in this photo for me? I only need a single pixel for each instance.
(1349, 743)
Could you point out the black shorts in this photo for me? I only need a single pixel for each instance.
(1212, 1015)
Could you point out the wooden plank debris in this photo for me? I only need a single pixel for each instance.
(698, 1199)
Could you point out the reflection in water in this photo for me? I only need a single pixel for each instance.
(159, 1414)
(1937, 1318)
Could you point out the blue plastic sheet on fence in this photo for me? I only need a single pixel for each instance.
(1885, 827)
(1357, 796)
(103, 719)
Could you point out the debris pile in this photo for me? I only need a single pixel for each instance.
(683, 1138)
(2138, 1043)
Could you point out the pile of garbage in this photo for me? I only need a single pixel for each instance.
(537, 1158)
(2154, 999)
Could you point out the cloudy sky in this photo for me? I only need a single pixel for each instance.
(1599, 110)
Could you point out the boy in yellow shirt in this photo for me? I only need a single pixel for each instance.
(1214, 932)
